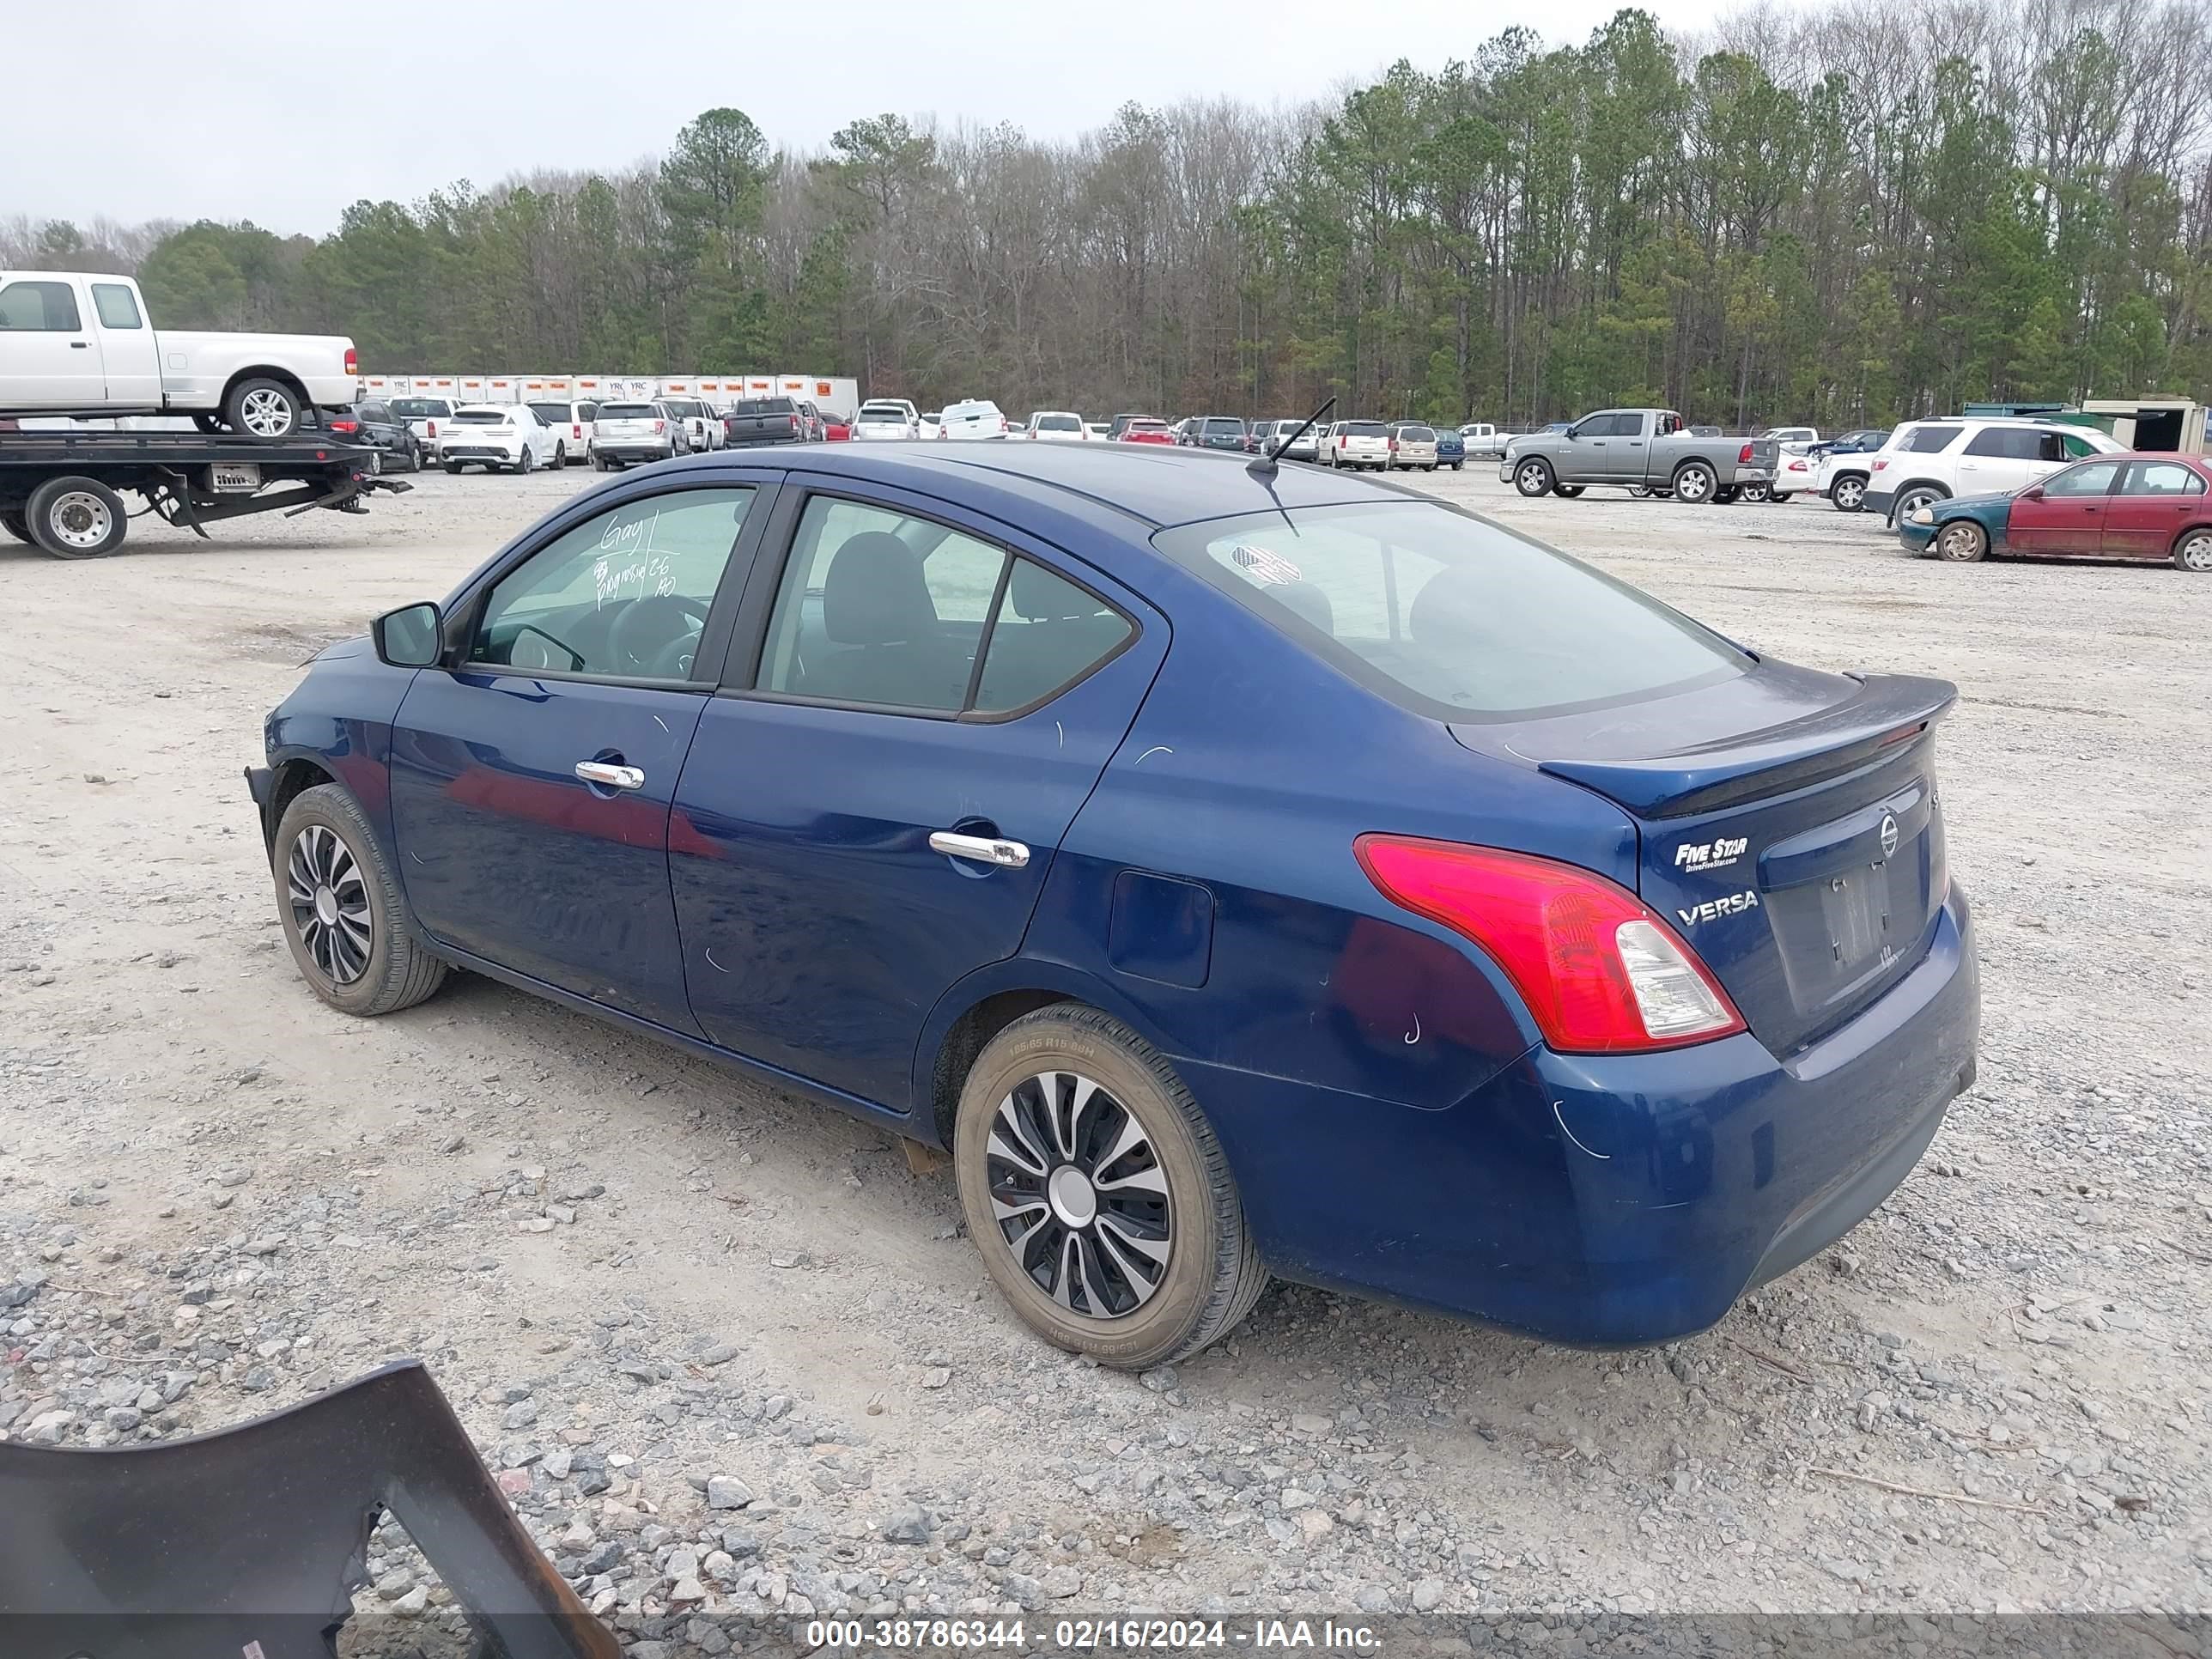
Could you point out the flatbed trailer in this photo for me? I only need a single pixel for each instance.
(63, 491)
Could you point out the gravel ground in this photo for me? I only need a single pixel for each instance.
(729, 1354)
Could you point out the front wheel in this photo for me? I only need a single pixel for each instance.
(75, 517)
(1910, 502)
(2193, 553)
(1849, 495)
(342, 911)
(452, 469)
(1096, 1194)
(1694, 483)
(1533, 478)
(1962, 541)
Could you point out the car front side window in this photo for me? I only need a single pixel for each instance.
(2094, 479)
(623, 595)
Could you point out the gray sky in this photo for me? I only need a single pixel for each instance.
(232, 109)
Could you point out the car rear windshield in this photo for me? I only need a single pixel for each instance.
(627, 411)
(421, 409)
(1058, 424)
(765, 406)
(882, 413)
(551, 414)
(1219, 425)
(481, 418)
(1450, 615)
(1417, 434)
(1361, 429)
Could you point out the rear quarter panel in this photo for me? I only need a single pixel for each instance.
(197, 366)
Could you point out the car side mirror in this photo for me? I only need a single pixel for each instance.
(2033, 493)
(410, 637)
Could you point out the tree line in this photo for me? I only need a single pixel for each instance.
(1854, 214)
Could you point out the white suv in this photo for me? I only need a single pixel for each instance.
(1929, 461)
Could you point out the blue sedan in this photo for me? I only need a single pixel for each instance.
(1238, 871)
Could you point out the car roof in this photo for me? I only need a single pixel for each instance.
(1160, 486)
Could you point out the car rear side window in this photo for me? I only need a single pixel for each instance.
(1449, 614)
(2016, 443)
(623, 595)
(1930, 440)
(2160, 478)
(884, 609)
(116, 305)
(38, 308)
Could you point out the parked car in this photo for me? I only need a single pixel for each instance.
(1057, 426)
(501, 437)
(754, 421)
(702, 428)
(1356, 444)
(1793, 466)
(1644, 449)
(577, 421)
(1926, 461)
(1484, 442)
(1097, 428)
(1216, 432)
(1413, 446)
(377, 425)
(886, 418)
(81, 344)
(1600, 969)
(629, 432)
(423, 416)
(1115, 426)
(977, 418)
(932, 424)
(1143, 429)
(2122, 506)
(1842, 466)
(1451, 448)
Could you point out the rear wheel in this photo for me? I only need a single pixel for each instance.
(16, 525)
(529, 461)
(1569, 491)
(560, 456)
(73, 518)
(1910, 500)
(1532, 477)
(2193, 552)
(1962, 541)
(1848, 494)
(341, 909)
(1098, 1194)
(454, 468)
(264, 409)
(1694, 483)
(1778, 499)
(1753, 492)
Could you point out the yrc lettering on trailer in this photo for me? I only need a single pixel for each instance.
(1695, 855)
(1712, 910)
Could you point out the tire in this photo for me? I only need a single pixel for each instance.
(1639, 492)
(73, 518)
(16, 525)
(2193, 553)
(528, 462)
(1778, 500)
(1911, 497)
(1569, 491)
(1532, 477)
(1848, 494)
(1457, 465)
(1754, 492)
(452, 469)
(413, 459)
(264, 409)
(1724, 496)
(323, 834)
(1962, 541)
(598, 463)
(1694, 483)
(560, 458)
(211, 424)
(1212, 1274)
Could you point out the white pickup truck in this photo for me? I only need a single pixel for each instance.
(80, 343)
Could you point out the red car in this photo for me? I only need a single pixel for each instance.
(2139, 505)
(1146, 430)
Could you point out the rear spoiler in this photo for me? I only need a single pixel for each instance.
(1890, 709)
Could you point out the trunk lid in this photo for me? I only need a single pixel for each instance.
(1787, 828)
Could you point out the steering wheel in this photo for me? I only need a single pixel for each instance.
(654, 637)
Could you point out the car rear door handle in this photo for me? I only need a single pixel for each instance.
(609, 775)
(80, 345)
(982, 849)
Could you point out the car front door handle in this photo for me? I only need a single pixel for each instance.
(609, 775)
(982, 849)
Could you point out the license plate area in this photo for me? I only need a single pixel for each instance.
(233, 478)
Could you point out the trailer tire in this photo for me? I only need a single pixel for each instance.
(264, 409)
(211, 424)
(16, 525)
(75, 517)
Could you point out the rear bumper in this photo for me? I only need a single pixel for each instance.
(634, 451)
(1878, 500)
(1607, 1201)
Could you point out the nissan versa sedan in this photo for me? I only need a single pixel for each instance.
(2116, 507)
(1239, 871)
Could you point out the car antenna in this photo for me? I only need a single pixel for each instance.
(1263, 464)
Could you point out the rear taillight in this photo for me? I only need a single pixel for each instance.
(1743, 456)
(660, 426)
(1879, 464)
(794, 423)
(352, 360)
(576, 430)
(1394, 446)
(1342, 441)
(1599, 971)
(345, 426)
(430, 429)
(1002, 423)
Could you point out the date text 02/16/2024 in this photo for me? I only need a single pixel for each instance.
(1080, 1635)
